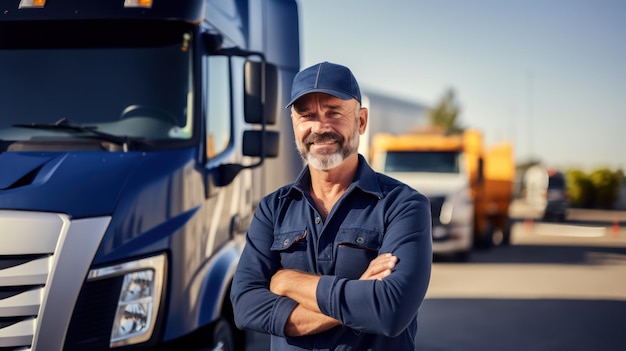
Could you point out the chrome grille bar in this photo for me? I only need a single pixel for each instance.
(44, 258)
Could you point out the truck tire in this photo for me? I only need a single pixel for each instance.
(486, 240)
(222, 336)
(506, 234)
(496, 235)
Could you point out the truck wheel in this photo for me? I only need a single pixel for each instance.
(222, 336)
(486, 241)
(497, 237)
(506, 234)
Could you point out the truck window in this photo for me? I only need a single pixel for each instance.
(117, 77)
(219, 104)
(422, 161)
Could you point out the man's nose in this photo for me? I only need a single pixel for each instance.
(321, 125)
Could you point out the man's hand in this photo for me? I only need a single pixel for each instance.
(307, 319)
(380, 267)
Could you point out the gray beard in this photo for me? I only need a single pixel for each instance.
(327, 162)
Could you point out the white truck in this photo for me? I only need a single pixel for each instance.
(469, 186)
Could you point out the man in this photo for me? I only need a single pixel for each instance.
(341, 259)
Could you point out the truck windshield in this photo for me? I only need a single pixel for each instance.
(422, 161)
(120, 79)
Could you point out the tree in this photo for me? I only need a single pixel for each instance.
(599, 189)
(445, 114)
(579, 188)
(606, 187)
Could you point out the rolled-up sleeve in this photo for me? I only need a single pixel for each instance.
(389, 305)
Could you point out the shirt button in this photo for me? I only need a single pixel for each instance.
(360, 240)
(286, 242)
(317, 220)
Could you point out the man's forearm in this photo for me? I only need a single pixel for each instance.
(302, 286)
(298, 286)
(303, 321)
(307, 318)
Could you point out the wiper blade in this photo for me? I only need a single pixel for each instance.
(66, 124)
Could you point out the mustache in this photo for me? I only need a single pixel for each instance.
(321, 138)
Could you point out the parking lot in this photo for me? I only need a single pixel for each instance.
(559, 286)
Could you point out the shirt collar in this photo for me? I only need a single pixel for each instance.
(365, 180)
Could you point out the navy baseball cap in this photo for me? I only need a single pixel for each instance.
(325, 77)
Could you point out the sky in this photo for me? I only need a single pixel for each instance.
(548, 75)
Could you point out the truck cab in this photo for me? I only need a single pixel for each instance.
(136, 138)
(437, 168)
(469, 185)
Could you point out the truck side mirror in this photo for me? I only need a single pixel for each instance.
(253, 139)
(256, 143)
(261, 87)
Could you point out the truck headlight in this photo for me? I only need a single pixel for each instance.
(134, 307)
(139, 298)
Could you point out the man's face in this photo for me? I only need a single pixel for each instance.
(327, 129)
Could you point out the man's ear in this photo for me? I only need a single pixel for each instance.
(363, 118)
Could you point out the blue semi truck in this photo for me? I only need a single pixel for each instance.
(136, 138)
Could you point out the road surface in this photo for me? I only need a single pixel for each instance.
(557, 287)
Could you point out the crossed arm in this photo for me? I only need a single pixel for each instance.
(307, 318)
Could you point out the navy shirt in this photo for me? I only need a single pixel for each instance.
(376, 215)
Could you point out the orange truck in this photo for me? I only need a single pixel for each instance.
(470, 187)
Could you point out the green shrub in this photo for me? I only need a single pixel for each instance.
(605, 187)
(579, 188)
(599, 189)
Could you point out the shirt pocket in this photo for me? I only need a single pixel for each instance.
(292, 247)
(356, 248)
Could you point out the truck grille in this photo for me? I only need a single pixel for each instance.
(27, 247)
(44, 259)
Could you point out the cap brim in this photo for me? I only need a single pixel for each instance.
(335, 93)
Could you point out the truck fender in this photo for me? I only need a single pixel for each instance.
(217, 277)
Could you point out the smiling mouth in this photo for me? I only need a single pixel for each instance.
(323, 139)
(327, 142)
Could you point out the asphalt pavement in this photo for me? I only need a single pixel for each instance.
(557, 287)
